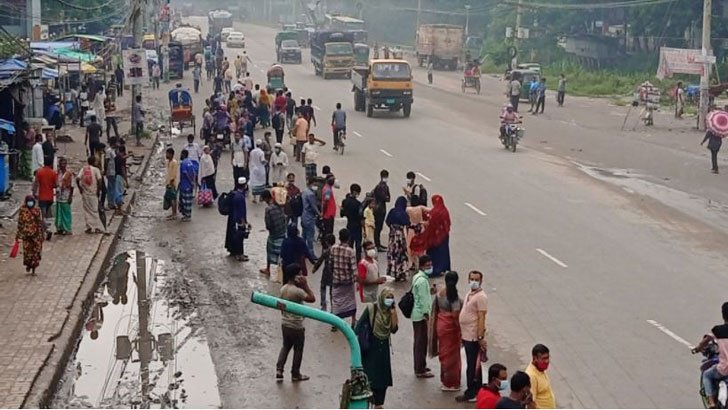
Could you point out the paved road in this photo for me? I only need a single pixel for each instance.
(608, 278)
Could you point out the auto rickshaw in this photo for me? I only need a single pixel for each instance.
(180, 107)
(276, 77)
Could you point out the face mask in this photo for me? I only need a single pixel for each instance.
(503, 385)
(314, 188)
(474, 285)
(540, 366)
(30, 204)
(388, 302)
(278, 150)
(371, 253)
(428, 271)
(384, 180)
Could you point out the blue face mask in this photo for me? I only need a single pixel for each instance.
(30, 204)
(503, 385)
(428, 271)
(388, 302)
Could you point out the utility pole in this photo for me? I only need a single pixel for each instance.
(137, 32)
(145, 339)
(419, 15)
(467, 20)
(516, 39)
(707, 63)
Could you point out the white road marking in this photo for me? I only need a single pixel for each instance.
(357, 134)
(262, 71)
(424, 177)
(553, 259)
(316, 107)
(670, 333)
(477, 211)
(386, 153)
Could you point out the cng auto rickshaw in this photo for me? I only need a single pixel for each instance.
(276, 77)
(361, 54)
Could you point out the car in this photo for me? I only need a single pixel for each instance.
(225, 32)
(236, 39)
(289, 51)
(530, 66)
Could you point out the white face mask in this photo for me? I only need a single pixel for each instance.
(371, 253)
(314, 188)
(474, 285)
(384, 180)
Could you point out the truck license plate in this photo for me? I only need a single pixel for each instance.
(390, 100)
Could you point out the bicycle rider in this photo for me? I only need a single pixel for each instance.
(338, 123)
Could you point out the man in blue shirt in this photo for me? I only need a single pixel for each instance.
(311, 214)
(540, 96)
(533, 93)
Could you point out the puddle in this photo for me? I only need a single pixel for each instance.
(117, 366)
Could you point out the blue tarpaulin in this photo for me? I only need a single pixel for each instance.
(11, 67)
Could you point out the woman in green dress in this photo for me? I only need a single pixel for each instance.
(382, 316)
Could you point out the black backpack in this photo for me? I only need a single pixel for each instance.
(223, 203)
(295, 205)
(423, 194)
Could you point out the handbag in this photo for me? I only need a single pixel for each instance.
(204, 196)
(14, 250)
(407, 303)
(365, 332)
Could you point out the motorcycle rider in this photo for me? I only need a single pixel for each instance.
(338, 123)
(719, 371)
(508, 117)
(222, 123)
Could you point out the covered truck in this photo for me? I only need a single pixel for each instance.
(383, 84)
(191, 39)
(332, 53)
(217, 20)
(442, 44)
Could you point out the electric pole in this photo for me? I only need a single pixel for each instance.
(516, 32)
(145, 338)
(419, 15)
(707, 64)
(137, 32)
(467, 20)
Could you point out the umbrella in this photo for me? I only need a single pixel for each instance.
(717, 122)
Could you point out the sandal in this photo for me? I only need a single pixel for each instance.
(425, 375)
(279, 376)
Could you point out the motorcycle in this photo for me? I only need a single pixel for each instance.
(221, 136)
(512, 134)
(710, 358)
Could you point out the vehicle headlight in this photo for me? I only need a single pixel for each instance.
(407, 92)
(376, 92)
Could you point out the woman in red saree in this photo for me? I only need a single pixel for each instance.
(435, 239)
(445, 333)
(31, 231)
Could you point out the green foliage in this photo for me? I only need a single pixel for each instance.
(9, 49)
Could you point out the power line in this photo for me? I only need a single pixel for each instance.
(94, 8)
(613, 5)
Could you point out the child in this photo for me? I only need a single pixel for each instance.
(327, 276)
(369, 220)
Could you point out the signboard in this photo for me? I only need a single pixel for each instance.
(135, 67)
(682, 61)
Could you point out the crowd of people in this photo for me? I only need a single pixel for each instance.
(302, 241)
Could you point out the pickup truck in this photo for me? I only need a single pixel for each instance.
(384, 84)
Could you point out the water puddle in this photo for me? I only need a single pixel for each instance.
(119, 365)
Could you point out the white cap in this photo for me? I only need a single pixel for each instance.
(242, 181)
(259, 142)
(278, 145)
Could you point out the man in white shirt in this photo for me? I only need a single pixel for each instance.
(37, 153)
(193, 149)
(514, 92)
(248, 82)
(228, 79)
(309, 154)
(239, 151)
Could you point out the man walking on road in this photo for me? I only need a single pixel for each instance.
(514, 92)
(295, 289)
(310, 215)
(381, 197)
(197, 76)
(275, 223)
(472, 328)
(45, 183)
(300, 132)
(90, 184)
(138, 113)
(430, 68)
(171, 181)
(343, 299)
(420, 316)
(540, 96)
(156, 74)
(561, 91)
(714, 144)
(187, 182)
(328, 206)
(351, 209)
(540, 382)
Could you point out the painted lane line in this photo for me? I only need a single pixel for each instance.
(477, 211)
(670, 333)
(386, 153)
(423, 176)
(357, 134)
(553, 259)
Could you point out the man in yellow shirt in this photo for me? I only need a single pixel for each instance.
(540, 382)
(300, 133)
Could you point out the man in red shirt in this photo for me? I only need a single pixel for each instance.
(489, 394)
(280, 102)
(328, 206)
(46, 181)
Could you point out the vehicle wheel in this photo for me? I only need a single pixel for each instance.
(370, 110)
(513, 145)
(323, 75)
(406, 110)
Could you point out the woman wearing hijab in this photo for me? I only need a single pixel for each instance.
(377, 361)
(435, 240)
(445, 339)
(294, 250)
(264, 109)
(31, 230)
(207, 171)
(237, 222)
(397, 221)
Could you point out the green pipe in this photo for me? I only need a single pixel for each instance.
(322, 316)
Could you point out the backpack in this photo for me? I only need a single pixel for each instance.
(423, 194)
(407, 302)
(365, 330)
(295, 206)
(223, 203)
